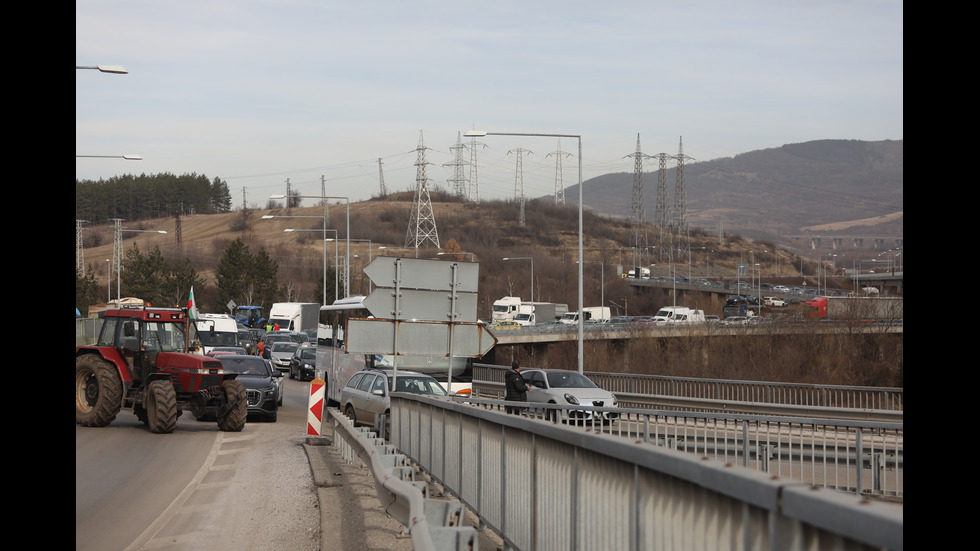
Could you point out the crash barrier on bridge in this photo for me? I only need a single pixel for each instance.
(434, 525)
(641, 390)
(546, 486)
(865, 458)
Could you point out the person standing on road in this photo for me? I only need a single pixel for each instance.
(515, 386)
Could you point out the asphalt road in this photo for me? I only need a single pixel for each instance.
(202, 489)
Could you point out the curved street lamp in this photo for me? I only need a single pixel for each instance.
(532, 273)
(581, 329)
(325, 208)
(127, 157)
(115, 69)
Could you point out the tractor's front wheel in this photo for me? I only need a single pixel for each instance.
(234, 420)
(161, 406)
(98, 391)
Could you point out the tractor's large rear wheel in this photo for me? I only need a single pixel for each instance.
(98, 391)
(234, 420)
(161, 406)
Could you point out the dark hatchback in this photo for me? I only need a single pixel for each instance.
(302, 365)
(256, 374)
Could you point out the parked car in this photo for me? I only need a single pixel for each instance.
(272, 338)
(236, 350)
(505, 325)
(281, 353)
(302, 365)
(773, 301)
(560, 386)
(620, 320)
(711, 318)
(367, 392)
(259, 378)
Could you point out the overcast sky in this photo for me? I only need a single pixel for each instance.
(261, 92)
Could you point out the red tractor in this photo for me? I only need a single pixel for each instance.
(141, 361)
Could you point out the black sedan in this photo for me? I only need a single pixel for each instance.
(302, 365)
(256, 374)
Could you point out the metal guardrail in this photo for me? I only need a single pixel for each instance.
(433, 524)
(642, 390)
(545, 486)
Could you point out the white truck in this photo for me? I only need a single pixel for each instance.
(644, 273)
(678, 315)
(506, 308)
(534, 313)
(592, 313)
(295, 316)
(217, 330)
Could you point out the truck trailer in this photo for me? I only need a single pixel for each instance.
(295, 316)
(534, 313)
(591, 313)
(678, 315)
(857, 309)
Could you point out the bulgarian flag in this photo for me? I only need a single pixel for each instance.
(192, 305)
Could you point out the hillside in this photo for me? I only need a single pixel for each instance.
(825, 186)
(490, 231)
(739, 209)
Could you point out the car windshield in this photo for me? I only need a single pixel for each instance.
(569, 379)
(308, 354)
(284, 347)
(252, 365)
(418, 385)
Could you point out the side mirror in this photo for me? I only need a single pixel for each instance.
(378, 392)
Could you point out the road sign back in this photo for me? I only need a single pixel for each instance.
(418, 338)
(416, 273)
(423, 305)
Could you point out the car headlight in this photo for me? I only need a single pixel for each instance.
(271, 391)
(307, 366)
(571, 399)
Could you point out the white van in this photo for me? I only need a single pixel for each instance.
(217, 330)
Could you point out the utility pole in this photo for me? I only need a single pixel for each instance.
(474, 193)
(559, 184)
(638, 236)
(458, 181)
(519, 180)
(422, 224)
(680, 203)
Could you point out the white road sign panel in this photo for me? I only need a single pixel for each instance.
(421, 305)
(416, 273)
(417, 338)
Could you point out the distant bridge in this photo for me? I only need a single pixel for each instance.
(857, 241)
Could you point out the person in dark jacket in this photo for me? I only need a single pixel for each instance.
(515, 386)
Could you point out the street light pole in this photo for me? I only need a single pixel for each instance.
(117, 250)
(602, 280)
(370, 258)
(325, 230)
(324, 198)
(581, 328)
(336, 261)
(532, 272)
